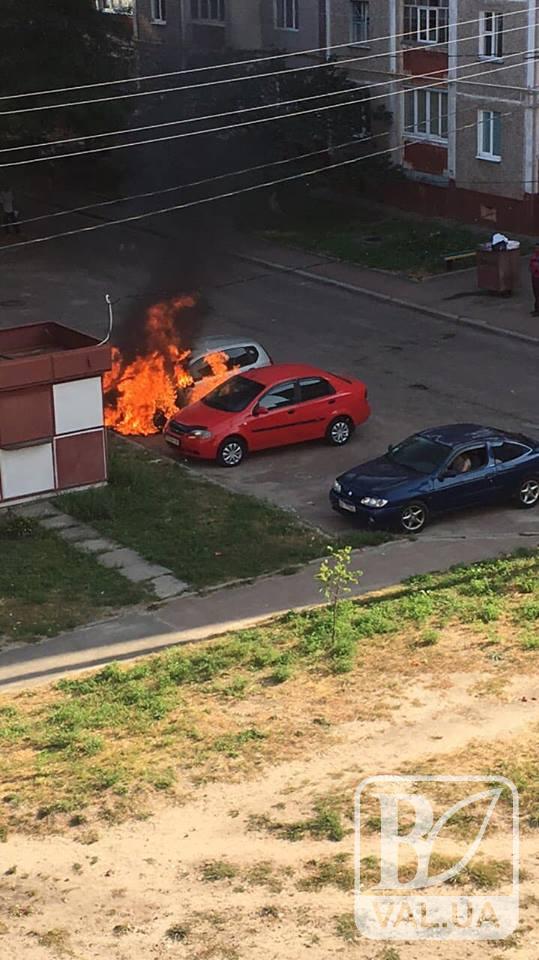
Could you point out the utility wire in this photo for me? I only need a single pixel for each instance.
(242, 110)
(248, 123)
(198, 183)
(231, 173)
(209, 83)
(222, 196)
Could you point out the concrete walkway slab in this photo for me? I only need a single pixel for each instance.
(76, 533)
(107, 552)
(58, 521)
(168, 586)
(97, 545)
(191, 618)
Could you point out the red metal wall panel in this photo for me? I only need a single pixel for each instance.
(426, 157)
(469, 206)
(80, 459)
(26, 415)
(74, 364)
(425, 60)
(25, 371)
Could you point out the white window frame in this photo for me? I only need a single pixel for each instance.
(221, 14)
(431, 21)
(491, 29)
(359, 21)
(488, 154)
(115, 6)
(441, 98)
(286, 5)
(158, 11)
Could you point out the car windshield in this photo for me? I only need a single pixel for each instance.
(419, 454)
(233, 395)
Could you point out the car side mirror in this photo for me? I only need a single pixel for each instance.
(445, 474)
(258, 410)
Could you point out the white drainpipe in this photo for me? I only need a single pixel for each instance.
(328, 28)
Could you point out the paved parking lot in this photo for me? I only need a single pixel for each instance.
(419, 372)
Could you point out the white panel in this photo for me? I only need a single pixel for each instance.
(78, 405)
(26, 470)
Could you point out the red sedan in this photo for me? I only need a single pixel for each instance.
(269, 407)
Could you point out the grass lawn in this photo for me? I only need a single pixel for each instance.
(111, 739)
(47, 586)
(203, 533)
(400, 244)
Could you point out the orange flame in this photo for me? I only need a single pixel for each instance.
(136, 392)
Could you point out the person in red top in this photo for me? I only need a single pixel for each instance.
(534, 270)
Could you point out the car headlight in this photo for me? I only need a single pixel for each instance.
(200, 432)
(373, 502)
(336, 486)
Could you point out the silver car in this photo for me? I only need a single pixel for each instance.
(242, 355)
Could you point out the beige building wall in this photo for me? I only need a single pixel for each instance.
(503, 91)
(160, 45)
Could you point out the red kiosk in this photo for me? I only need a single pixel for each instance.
(52, 434)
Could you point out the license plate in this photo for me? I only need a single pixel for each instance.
(347, 506)
(173, 440)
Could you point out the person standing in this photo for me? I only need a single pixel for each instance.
(9, 218)
(534, 271)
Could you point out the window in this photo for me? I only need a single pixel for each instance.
(426, 114)
(159, 11)
(469, 460)
(115, 6)
(509, 451)
(425, 21)
(241, 356)
(419, 454)
(314, 387)
(233, 395)
(286, 14)
(211, 11)
(491, 39)
(281, 396)
(360, 21)
(489, 135)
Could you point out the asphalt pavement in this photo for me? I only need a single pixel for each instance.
(420, 370)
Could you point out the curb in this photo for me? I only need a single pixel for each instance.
(462, 321)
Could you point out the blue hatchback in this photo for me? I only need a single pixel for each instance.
(437, 471)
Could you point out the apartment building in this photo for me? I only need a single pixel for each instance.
(458, 77)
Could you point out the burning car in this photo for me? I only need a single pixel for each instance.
(270, 406)
(241, 355)
(214, 357)
(144, 389)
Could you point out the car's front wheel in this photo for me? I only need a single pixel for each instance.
(413, 517)
(231, 452)
(528, 493)
(339, 431)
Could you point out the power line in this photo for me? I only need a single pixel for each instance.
(221, 196)
(224, 176)
(166, 90)
(212, 116)
(198, 183)
(247, 123)
(236, 63)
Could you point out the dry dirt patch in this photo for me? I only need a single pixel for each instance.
(199, 805)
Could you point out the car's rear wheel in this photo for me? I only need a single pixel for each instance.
(339, 431)
(413, 517)
(528, 493)
(231, 452)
